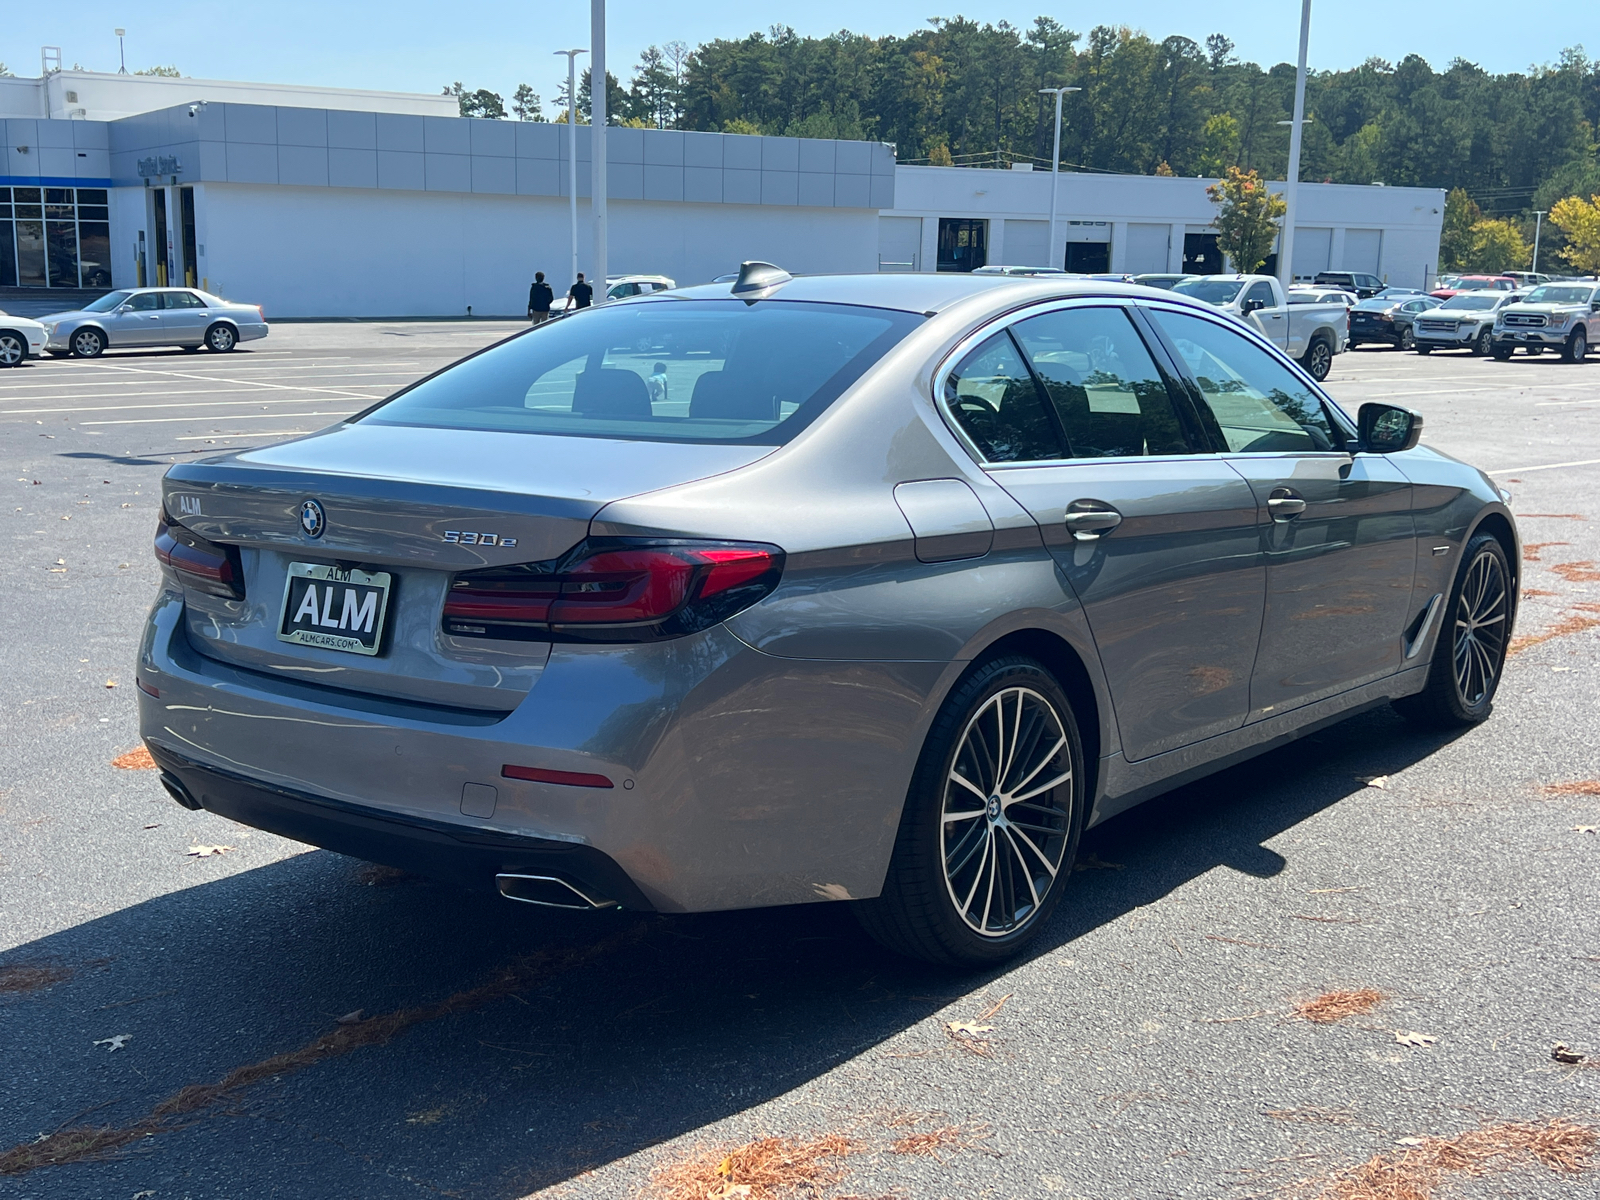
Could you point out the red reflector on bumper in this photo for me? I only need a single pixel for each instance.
(147, 689)
(568, 778)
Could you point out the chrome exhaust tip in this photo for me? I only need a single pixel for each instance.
(547, 891)
(178, 792)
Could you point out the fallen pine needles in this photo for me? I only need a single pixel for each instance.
(1575, 787)
(764, 1169)
(1560, 1145)
(1338, 1004)
(137, 759)
(23, 979)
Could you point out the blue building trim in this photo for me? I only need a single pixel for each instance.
(52, 181)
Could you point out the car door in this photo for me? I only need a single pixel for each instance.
(1335, 528)
(136, 322)
(184, 317)
(1154, 534)
(1272, 319)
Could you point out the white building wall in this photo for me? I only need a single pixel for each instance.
(331, 252)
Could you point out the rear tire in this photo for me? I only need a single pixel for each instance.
(1469, 654)
(1318, 360)
(13, 350)
(88, 343)
(221, 338)
(984, 852)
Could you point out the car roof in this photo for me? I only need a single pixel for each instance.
(930, 293)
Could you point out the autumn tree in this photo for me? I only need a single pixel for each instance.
(1579, 221)
(1455, 240)
(1498, 245)
(1247, 218)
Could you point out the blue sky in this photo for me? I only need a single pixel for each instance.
(403, 45)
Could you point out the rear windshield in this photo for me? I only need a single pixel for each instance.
(661, 370)
(1212, 291)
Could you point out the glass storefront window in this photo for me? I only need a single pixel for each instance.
(8, 255)
(61, 250)
(30, 253)
(55, 237)
(94, 253)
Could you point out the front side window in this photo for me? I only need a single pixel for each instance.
(661, 370)
(1106, 390)
(1259, 293)
(1259, 403)
(992, 396)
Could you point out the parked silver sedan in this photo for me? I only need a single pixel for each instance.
(873, 589)
(127, 317)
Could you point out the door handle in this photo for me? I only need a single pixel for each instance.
(1086, 524)
(1284, 504)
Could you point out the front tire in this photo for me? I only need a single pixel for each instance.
(1577, 346)
(1424, 349)
(1469, 655)
(991, 821)
(221, 338)
(13, 350)
(88, 343)
(1483, 343)
(1318, 360)
(1408, 340)
(1502, 353)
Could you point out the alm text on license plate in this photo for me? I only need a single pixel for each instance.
(334, 607)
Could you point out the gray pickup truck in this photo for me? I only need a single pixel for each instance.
(1311, 333)
(1554, 316)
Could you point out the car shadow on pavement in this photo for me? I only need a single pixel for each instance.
(633, 1029)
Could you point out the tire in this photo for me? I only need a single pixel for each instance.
(1483, 343)
(1408, 340)
(1424, 349)
(1318, 359)
(1351, 343)
(59, 353)
(1535, 351)
(190, 349)
(1502, 353)
(1468, 662)
(939, 904)
(221, 338)
(88, 343)
(13, 349)
(1577, 346)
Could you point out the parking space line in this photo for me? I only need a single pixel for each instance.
(261, 402)
(218, 417)
(1581, 462)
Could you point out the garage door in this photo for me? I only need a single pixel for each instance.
(1311, 247)
(1362, 248)
(1027, 243)
(899, 243)
(1147, 249)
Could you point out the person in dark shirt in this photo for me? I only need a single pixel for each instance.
(580, 294)
(540, 298)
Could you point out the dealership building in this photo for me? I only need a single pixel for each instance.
(338, 203)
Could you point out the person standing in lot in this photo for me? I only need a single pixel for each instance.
(579, 295)
(540, 298)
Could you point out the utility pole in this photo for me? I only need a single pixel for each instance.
(1538, 223)
(1055, 171)
(572, 147)
(1292, 186)
(598, 89)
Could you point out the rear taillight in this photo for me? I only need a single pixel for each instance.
(201, 565)
(614, 590)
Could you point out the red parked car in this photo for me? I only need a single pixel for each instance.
(1477, 283)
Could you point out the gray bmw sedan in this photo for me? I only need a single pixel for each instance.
(876, 589)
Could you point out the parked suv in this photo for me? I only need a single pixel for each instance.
(1350, 281)
(1463, 322)
(1564, 316)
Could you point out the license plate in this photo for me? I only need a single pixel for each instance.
(334, 608)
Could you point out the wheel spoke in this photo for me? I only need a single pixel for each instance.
(1050, 868)
(1042, 788)
(1027, 872)
(958, 777)
(1043, 762)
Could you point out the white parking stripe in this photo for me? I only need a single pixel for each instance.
(1582, 462)
(261, 402)
(218, 417)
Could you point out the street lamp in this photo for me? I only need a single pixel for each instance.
(599, 89)
(1538, 223)
(1055, 165)
(572, 145)
(1291, 186)
(120, 52)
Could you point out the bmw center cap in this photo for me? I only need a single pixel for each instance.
(312, 519)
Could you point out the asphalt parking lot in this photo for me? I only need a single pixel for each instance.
(1146, 1048)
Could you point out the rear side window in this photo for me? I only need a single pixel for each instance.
(992, 396)
(1260, 404)
(1106, 390)
(667, 370)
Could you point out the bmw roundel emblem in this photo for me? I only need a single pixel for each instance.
(312, 519)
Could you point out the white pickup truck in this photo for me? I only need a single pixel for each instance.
(1311, 333)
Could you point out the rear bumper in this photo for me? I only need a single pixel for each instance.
(250, 332)
(468, 857)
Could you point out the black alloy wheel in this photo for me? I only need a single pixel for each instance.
(1474, 632)
(1318, 360)
(88, 343)
(221, 338)
(991, 821)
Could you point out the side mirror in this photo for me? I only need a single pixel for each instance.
(1388, 428)
(1251, 306)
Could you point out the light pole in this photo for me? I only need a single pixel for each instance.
(598, 89)
(120, 52)
(1291, 186)
(1538, 223)
(1055, 164)
(572, 146)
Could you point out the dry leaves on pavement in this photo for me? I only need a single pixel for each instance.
(116, 1041)
(207, 851)
(1407, 1037)
(134, 760)
(766, 1169)
(1562, 1146)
